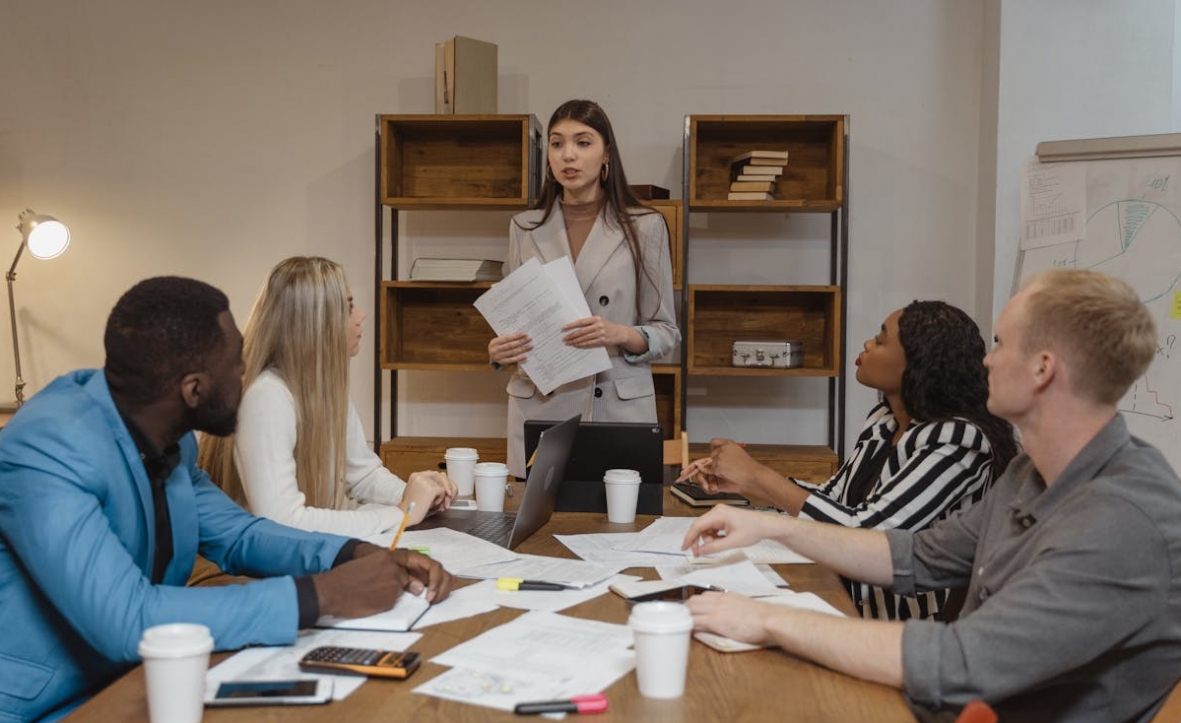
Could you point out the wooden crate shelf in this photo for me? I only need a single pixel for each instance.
(719, 315)
(671, 210)
(444, 162)
(813, 180)
(405, 455)
(811, 463)
(667, 379)
(433, 325)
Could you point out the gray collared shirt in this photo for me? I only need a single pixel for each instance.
(1074, 597)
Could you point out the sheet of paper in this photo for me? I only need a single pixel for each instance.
(800, 600)
(601, 547)
(664, 536)
(575, 573)
(538, 656)
(548, 600)
(536, 298)
(454, 550)
(1053, 203)
(282, 662)
(400, 618)
(464, 602)
(735, 574)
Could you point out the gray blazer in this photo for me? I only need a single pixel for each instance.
(606, 271)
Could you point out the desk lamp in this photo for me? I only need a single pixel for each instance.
(46, 238)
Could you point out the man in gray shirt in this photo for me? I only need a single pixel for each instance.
(1072, 561)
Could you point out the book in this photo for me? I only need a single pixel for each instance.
(465, 76)
(398, 619)
(763, 157)
(427, 269)
(749, 196)
(695, 496)
(744, 177)
(765, 171)
(764, 186)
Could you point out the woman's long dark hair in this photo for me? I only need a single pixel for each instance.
(945, 375)
(621, 203)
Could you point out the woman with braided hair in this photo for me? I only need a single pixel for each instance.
(928, 450)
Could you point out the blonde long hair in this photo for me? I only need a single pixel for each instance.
(298, 329)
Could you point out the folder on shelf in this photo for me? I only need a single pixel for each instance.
(465, 76)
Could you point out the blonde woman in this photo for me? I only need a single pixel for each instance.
(299, 455)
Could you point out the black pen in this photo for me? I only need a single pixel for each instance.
(512, 584)
(596, 703)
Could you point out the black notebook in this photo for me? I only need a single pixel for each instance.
(695, 496)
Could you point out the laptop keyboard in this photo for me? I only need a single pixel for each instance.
(493, 529)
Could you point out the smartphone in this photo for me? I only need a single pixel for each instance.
(673, 594)
(361, 661)
(306, 691)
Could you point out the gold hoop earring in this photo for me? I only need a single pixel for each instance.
(603, 174)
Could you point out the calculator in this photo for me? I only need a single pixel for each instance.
(360, 661)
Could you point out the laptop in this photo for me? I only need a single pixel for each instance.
(601, 446)
(542, 484)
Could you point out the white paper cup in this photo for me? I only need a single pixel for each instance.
(176, 657)
(623, 488)
(460, 463)
(661, 631)
(490, 480)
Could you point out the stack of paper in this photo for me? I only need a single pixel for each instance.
(539, 300)
(456, 270)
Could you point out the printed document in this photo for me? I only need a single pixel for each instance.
(540, 299)
(538, 656)
(1053, 203)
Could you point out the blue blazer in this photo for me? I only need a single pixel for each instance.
(76, 543)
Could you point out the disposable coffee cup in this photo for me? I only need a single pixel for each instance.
(661, 631)
(623, 488)
(490, 480)
(461, 462)
(176, 657)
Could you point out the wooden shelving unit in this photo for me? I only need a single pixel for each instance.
(439, 162)
(717, 315)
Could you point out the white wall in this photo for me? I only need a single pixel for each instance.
(213, 139)
(1074, 69)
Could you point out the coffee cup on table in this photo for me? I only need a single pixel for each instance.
(176, 656)
(661, 631)
(461, 462)
(490, 481)
(623, 490)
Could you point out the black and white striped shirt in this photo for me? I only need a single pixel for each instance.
(936, 470)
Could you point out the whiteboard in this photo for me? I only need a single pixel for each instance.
(1133, 231)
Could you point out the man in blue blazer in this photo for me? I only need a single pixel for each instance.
(103, 511)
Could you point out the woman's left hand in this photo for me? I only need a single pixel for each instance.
(594, 331)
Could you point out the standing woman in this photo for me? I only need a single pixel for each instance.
(619, 249)
(299, 456)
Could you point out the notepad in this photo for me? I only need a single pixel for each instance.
(398, 619)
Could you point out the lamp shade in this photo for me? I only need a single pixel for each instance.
(45, 236)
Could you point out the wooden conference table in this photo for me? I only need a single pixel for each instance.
(753, 686)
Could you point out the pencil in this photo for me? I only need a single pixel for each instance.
(402, 527)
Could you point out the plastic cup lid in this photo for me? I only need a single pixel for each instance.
(175, 640)
(660, 617)
(490, 469)
(621, 476)
(461, 453)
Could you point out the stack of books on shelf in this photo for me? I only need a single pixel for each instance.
(753, 175)
(456, 270)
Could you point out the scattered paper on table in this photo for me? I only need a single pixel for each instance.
(574, 573)
(539, 652)
(282, 662)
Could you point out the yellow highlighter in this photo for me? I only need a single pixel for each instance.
(513, 584)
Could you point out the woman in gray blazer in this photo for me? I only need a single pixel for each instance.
(620, 253)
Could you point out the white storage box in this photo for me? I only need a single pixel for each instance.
(768, 353)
